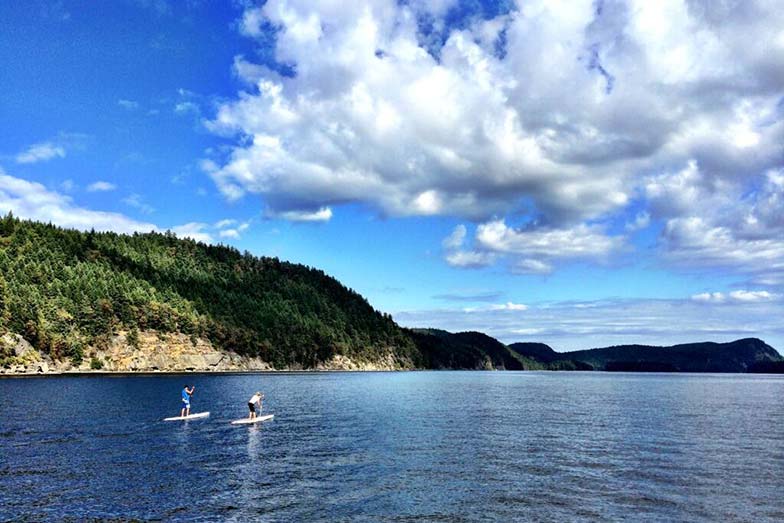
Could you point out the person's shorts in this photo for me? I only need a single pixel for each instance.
(251, 407)
(186, 404)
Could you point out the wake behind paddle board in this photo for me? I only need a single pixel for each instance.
(247, 421)
(192, 416)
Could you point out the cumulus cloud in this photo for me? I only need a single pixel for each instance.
(101, 186)
(722, 223)
(582, 241)
(41, 152)
(34, 201)
(532, 249)
(568, 117)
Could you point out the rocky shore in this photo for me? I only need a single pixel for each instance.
(156, 352)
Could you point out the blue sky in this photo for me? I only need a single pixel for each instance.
(595, 173)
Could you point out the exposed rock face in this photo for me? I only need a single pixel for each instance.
(162, 353)
(25, 358)
(170, 352)
(339, 362)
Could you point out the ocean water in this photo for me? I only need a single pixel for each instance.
(424, 446)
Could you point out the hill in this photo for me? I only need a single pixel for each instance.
(68, 292)
(737, 356)
(546, 355)
(468, 350)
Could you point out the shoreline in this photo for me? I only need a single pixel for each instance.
(77, 373)
(103, 373)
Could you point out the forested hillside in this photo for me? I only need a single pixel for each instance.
(737, 356)
(65, 290)
(468, 350)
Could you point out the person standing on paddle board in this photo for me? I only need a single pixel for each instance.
(252, 402)
(186, 400)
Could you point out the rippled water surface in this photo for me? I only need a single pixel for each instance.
(446, 446)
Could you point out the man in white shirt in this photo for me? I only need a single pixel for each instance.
(252, 402)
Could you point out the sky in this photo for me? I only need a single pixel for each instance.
(579, 173)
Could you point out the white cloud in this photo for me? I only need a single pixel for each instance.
(187, 108)
(577, 121)
(735, 296)
(531, 266)
(229, 229)
(41, 152)
(33, 201)
(136, 201)
(469, 259)
(750, 296)
(224, 223)
(194, 230)
(721, 223)
(509, 306)
(532, 250)
(128, 104)
(101, 186)
(229, 233)
(456, 239)
(582, 241)
(709, 297)
(641, 221)
(321, 215)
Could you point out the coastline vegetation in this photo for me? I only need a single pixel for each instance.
(64, 290)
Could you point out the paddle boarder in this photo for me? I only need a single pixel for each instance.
(252, 402)
(186, 400)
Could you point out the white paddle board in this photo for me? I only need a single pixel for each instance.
(192, 416)
(248, 421)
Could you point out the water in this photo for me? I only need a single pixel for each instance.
(438, 446)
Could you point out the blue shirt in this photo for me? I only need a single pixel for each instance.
(185, 396)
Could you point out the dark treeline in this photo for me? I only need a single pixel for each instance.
(65, 290)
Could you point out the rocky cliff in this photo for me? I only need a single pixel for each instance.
(156, 352)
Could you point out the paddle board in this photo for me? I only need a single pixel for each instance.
(192, 416)
(247, 421)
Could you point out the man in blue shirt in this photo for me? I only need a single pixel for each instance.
(186, 401)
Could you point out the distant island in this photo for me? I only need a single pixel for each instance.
(81, 301)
